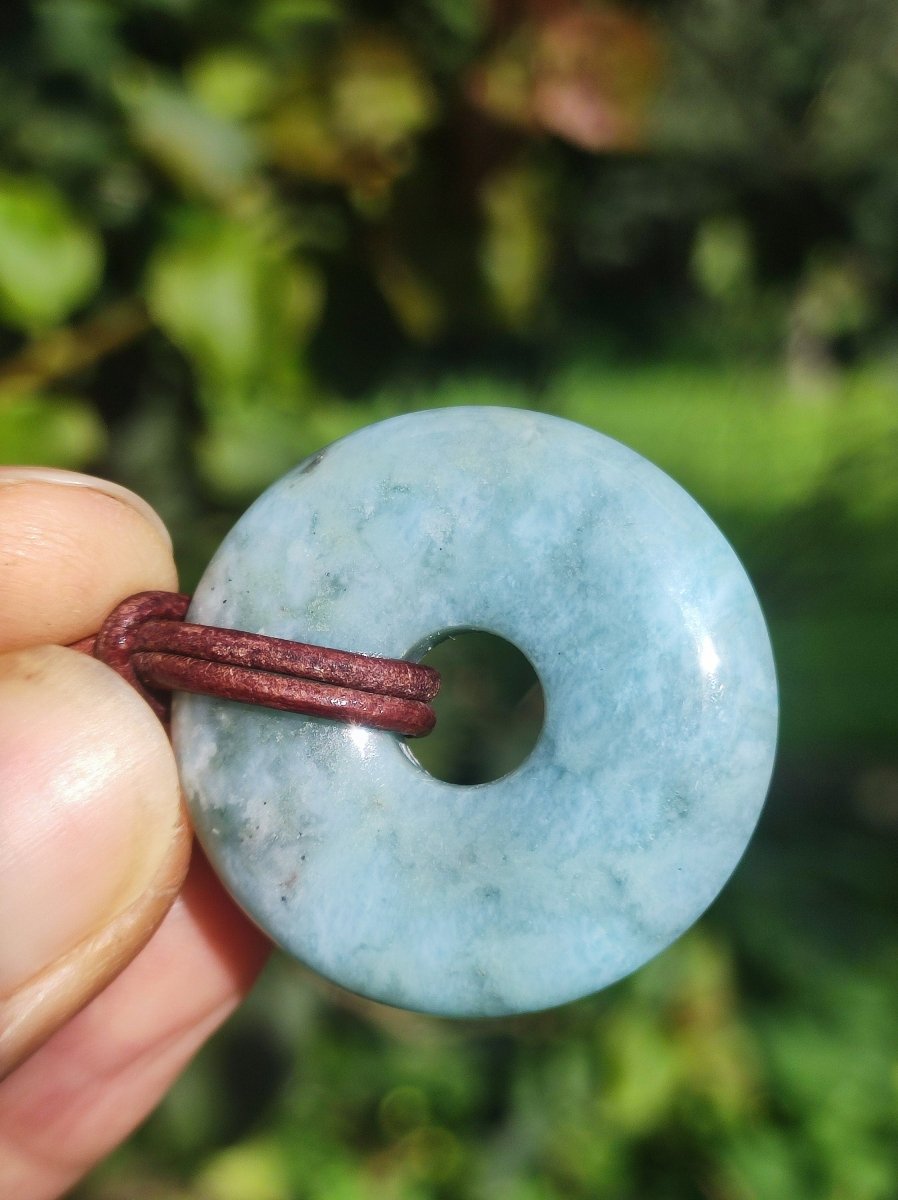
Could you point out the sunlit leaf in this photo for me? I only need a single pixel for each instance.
(232, 83)
(229, 298)
(516, 243)
(54, 431)
(50, 262)
(204, 153)
(246, 446)
(380, 94)
(645, 1072)
(722, 260)
(251, 1171)
(351, 116)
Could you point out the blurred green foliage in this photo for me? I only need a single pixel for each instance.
(231, 232)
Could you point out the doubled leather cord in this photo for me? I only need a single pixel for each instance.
(147, 640)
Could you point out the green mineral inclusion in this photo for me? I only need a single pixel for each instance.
(653, 763)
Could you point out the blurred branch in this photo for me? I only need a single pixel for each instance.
(64, 352)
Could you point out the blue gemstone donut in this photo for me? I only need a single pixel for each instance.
(653, 762)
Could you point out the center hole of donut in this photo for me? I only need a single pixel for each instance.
(489, 709)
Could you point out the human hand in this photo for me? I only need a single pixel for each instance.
(114, 967)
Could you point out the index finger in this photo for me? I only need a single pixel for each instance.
(72, 547)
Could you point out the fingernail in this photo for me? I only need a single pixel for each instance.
(13, 475)
(88, 805)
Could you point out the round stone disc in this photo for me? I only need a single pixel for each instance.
(654, 759)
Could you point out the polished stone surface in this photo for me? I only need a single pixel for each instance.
(653, 763)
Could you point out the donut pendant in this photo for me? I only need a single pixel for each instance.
(648, 776)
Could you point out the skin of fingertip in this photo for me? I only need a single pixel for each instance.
(62, 478)
(95, 837)
(50, 999)
(67, 556)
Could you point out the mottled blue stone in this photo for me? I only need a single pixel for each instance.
(647, 779)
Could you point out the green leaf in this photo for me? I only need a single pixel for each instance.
(232, 302)
(49, 261)
(231, 82)
(765, 1162)
(516, 248)
(205, 154)
(722, 258)
(252, 1171)
(248, 446)
(381, 96)
(52, 431)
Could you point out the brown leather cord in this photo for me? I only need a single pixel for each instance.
(146, 639)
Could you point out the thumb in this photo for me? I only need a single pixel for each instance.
(93, 841)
